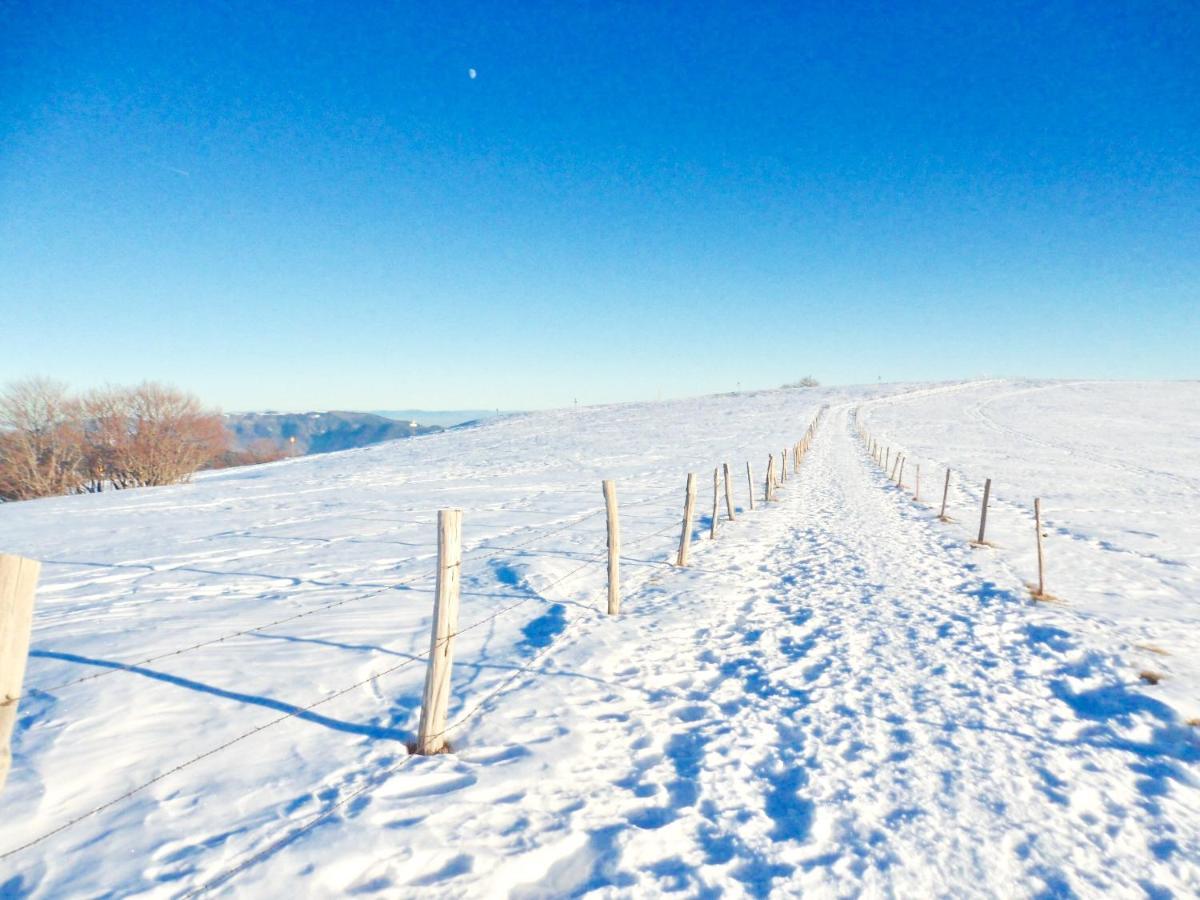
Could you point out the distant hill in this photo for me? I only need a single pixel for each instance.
(444, 417)
(319, 432)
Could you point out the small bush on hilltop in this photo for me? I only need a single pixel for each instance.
(806, 382)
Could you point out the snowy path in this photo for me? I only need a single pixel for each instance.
(838, 697)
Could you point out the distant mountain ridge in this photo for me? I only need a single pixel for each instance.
(319, 432)
(443, 417)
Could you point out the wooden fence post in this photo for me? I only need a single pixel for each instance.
(728, 492)
(1037, 523)
(18, 583)
(431, 734)
(712, 529)
(945, 494)
(770, 478)
(917, 493)
(900, 477)
(614, 548)
(750, 482)
(987, 490)
(689, 507)
(888, 460)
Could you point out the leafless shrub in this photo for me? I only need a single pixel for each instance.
(806, 382)
(51, 443)
(40, 453)
(154, 434)
(106, 438)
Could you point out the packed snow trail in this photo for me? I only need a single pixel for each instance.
(837, 697)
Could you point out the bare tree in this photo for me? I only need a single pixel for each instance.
(107, 438)
(148, 435)
(52, 443)
(40, 440)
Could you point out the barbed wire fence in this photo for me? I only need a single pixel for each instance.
(892, 458)
(483, 551)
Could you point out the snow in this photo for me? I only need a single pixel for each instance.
(1115, 466)
(838, 696)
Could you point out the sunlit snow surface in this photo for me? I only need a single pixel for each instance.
(838, 696)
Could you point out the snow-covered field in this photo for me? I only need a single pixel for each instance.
(838, 696)
(1117, 468)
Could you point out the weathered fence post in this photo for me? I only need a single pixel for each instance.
(614, 548)
(987, 490)
(1037, 523)
(900, 477)
(770, 478)
(888, 460)
(945, 494)
(18, 583)
(689, 507)
(436, 699)
(712, 529)
(728, 492)
(750, 482)
(917, 492)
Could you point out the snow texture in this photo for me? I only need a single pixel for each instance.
(839, 696)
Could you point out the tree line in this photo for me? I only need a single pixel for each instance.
(53, 441)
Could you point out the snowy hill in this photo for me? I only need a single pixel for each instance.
(838, 695)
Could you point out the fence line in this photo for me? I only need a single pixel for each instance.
(301, 712)
(472, 712)
(298, 712)
(262, 626)
(381, 777)
(871, 443)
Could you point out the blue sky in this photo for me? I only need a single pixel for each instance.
(312, 205)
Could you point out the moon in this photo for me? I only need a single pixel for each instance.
(471, 73)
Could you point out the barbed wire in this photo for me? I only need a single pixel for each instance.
(282, 718)
(300, 711)
(262, 626)
(126, 666)
(322, 815)
(258, 729)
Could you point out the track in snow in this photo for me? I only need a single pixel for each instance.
(837, 697)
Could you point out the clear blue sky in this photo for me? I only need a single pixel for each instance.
(312, 205)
